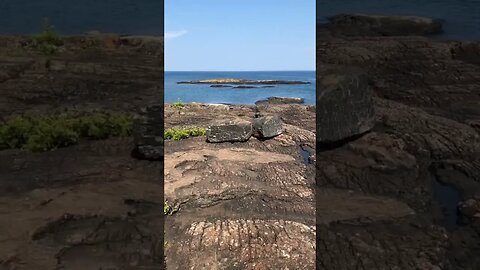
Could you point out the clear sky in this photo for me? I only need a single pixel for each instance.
(239, 35)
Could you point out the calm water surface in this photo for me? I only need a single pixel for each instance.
(206, 94)
(462, 17)
(144, 17)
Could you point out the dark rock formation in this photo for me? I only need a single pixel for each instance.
(344, 107)
(229, 131)
(220, 86)
(148, 133)
(470, 209)
(95, 205)
(467, 51)
(245, 86)
(426, 96)
(102, 71)
(266, 127)
(281, 100)
(367, 25)
(413, 245)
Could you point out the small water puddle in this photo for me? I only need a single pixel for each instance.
(447, 198)
(306, 152)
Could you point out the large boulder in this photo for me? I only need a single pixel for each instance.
(229, 131)
(148, 133)
(267, 126)
(344, 107)
(470, 210)
(369, 25)
(466, 51)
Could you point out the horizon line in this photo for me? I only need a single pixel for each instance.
(239, 70)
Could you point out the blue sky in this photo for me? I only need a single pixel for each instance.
(239, 35)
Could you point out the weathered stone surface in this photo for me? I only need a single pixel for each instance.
(399, 244)
(148, 133)
(426, 96)
(256, 197)
(229, 131)
(471, 209)
(368, 25)
(257, 244)
(267, 126)
(467, 51)
(344, 107)
(102, 71)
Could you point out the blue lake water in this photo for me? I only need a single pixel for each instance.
(461, 17)
(206, 94)
(143, 17)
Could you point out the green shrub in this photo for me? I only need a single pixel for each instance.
(178, 104)
(45, 132)
(177, 134)
(46, 41)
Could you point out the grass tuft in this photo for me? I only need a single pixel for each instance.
(178, 104)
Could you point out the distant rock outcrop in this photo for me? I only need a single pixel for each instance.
(241, 81)
(220, 86)
(281, 100)
(245, 87)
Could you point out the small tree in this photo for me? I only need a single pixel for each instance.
(47, 41)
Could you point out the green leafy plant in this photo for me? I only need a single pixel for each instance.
(38, 133)
(177, 134)
(178, 104)
(167, 209)
(46, 41)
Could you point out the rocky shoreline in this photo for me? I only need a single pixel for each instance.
(240, 196)
(90, 205)
(396, 183)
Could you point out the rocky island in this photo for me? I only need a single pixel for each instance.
(241, 81)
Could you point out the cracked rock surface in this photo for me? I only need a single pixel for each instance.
(243, 205)
(423, 153)
(91, 205)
